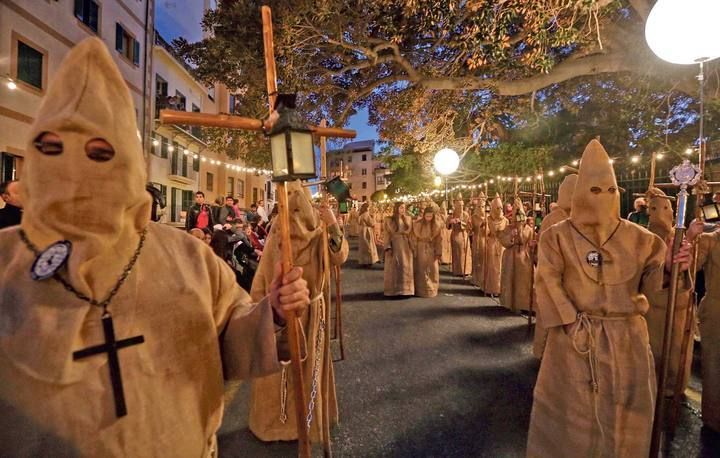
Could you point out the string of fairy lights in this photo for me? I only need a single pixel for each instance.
(211, 161)
(502, 180)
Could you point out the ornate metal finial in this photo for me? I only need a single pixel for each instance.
(685, 174)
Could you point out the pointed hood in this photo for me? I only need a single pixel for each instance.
(496, 207)
(596, 200)
(660, 213)
(98, 203)
(565, 192)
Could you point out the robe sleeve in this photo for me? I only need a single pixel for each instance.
(339, 256)
(554, 306)
(505, 237)
(705, 244)
(654, 270)
(437, 245)
(246, 330)
(387, 235)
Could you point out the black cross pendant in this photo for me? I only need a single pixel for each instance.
(111, 347)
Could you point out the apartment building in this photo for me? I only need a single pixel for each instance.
(35, 35)
(356, 163)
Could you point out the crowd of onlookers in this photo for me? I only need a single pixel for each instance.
(235, 234)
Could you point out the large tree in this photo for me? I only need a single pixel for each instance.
(433, 72)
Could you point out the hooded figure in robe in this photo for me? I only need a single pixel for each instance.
(517, 264)
(496, 223)
(479, 228)
(315, 248)
(378, 214)
(427, 241)
(595, 391)
(445, 233)
(660, 217)
(367, 250)
(353, 226)
(399, 276)
(559, 212)
(708, 252)
(84, 182)
(460, 227)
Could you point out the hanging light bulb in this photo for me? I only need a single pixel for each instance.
(659, 156)
(575, 162)
(155, 142)
(635, 159)
(551, 173)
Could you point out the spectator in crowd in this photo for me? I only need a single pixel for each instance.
(208, 235)
(199, 215)
(11, 214)
(259, 230)
(197, 233)
(253, 237)
(252, 215)
(236, 209)
(271, 218)
(640, 215)
(509, 211)
(261, 211)
(215, 207)
(226, 211)
(220, 245)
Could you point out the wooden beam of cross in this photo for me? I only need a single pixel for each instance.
(242, 123)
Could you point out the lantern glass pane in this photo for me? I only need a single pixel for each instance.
(303, 153)
(279, 154)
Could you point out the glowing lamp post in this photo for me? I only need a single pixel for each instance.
(684, 31)
(446, 162)
(681, 32)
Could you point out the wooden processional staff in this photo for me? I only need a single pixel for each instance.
(243, 123)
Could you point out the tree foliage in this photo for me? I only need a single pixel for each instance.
(542, 75)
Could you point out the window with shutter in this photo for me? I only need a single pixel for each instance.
(29, 65)
(88, 12)
(127, 45)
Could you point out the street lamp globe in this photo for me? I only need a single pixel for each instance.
(684, 31)
(446, 161)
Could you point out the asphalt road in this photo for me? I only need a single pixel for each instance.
(450, 376)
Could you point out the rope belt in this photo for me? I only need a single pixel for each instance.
(584, 321)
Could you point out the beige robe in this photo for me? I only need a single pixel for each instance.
(185, 302)
(478, 247)
(655, 318)
(540, 333)
(265, 401)
(353, 226)
(445, 238)
(517, 268)
(569, 418)
(399, 276)
(378, 220)
(367, 250)
(493, 255)
(427, 241)
(460, 242)
(709, 315)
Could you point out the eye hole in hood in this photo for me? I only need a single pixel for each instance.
(99, 150)
(49, 144)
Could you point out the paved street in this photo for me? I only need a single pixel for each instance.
(449, 377)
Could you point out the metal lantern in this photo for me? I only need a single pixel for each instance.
(291, 143)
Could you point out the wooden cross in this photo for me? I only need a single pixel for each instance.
(111, 347)
(242, 123)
